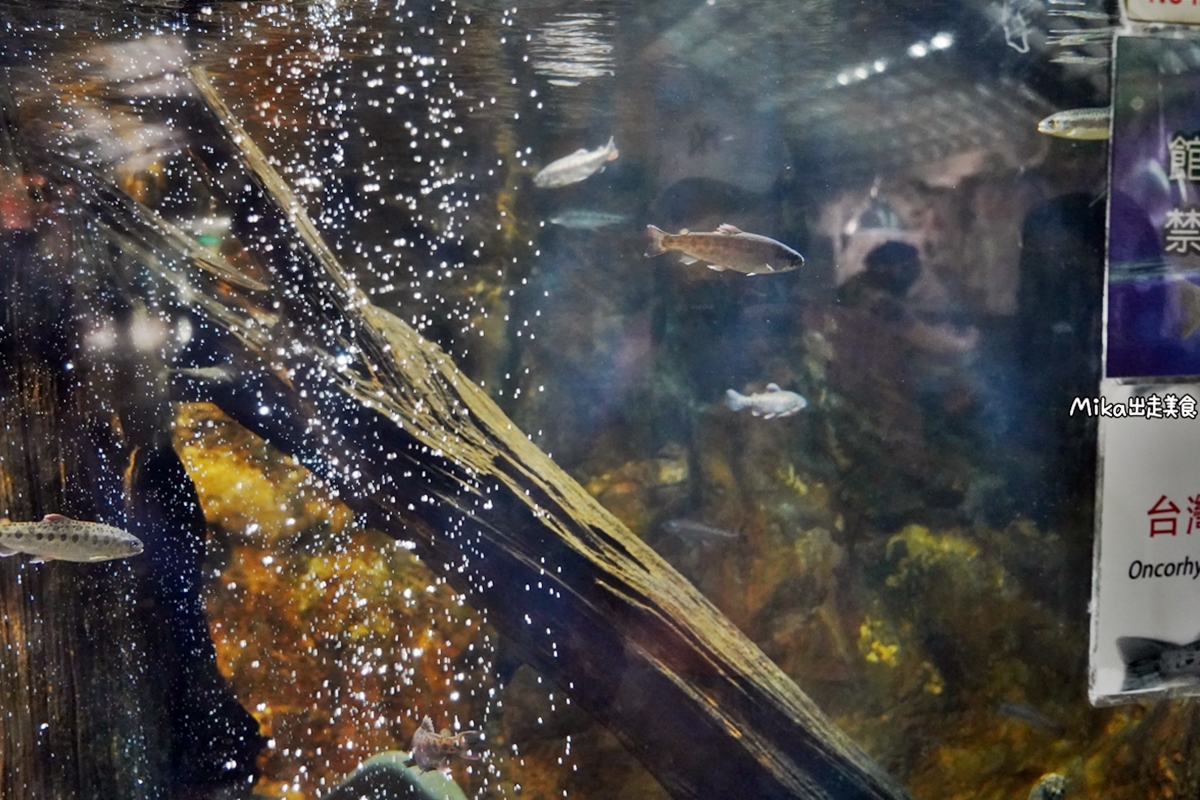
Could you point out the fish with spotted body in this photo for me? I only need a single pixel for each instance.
(59, 538)
(726, 248)
(772, 403)
(432, 750)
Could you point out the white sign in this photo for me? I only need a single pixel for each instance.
(1178, 11)
(1146, 589)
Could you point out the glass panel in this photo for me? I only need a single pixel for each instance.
(658, 399)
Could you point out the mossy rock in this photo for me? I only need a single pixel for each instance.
(387, 776)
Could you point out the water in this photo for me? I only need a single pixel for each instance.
(370, 543)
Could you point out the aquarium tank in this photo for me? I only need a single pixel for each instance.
(556, 399)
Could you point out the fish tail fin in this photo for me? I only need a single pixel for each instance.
(734, 400)
(1143, 661)
(611, 147)
(657, 241)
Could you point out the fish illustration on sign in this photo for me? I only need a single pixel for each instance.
(1078, 123)
(432, 750)
(1150, 663)
(59, 538)
(772, 403)
(726, 248)
(578, 166)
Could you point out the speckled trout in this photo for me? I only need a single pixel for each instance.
(61, 538)
(726, 248)
(1078, 123)
(431, 750)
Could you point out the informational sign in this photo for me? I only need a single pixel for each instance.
(1176, 11)
(1146, 606)
(1146, 585)
(1154, 211)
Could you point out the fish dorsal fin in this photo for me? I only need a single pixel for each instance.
(427, 724)
(726, 228)
(53, 518)
(581, 151)
(773, 387)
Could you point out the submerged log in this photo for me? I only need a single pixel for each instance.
(422, 453)
(385, 417)
(108, 681)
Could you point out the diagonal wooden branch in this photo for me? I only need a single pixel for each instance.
(385, 417)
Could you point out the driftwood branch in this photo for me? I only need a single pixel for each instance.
(405, 439)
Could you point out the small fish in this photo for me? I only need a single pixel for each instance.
(772, 403)
(1075, 58)
(578, 166)
(584, 219)
(726, 248)
(432, 750)
(1152, 662)
(1078, 123)
(60, 538)
(1030, 716)
(689, 530)
(1095, 16)
(1078, 38)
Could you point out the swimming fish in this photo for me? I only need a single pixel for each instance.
(578, 166)
(1153, 662)
(772, 403)
(1097, 16)
(726, 248)
(1078, 123)
(1075, 58)
(585, 219)
(432, 750)
(60, 538)
(689, 530)
(1030, 716)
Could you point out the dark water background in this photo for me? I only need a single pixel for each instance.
(913, 548)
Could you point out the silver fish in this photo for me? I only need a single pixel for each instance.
(1096, 16)
(60, 538)
(1030, 716)
(686, 529)
(584, 219)
(726, 248)
(772, 403)
(578, 166)
(1152, 662)
(1078, 123)
(432, 750)
(1075, 58)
